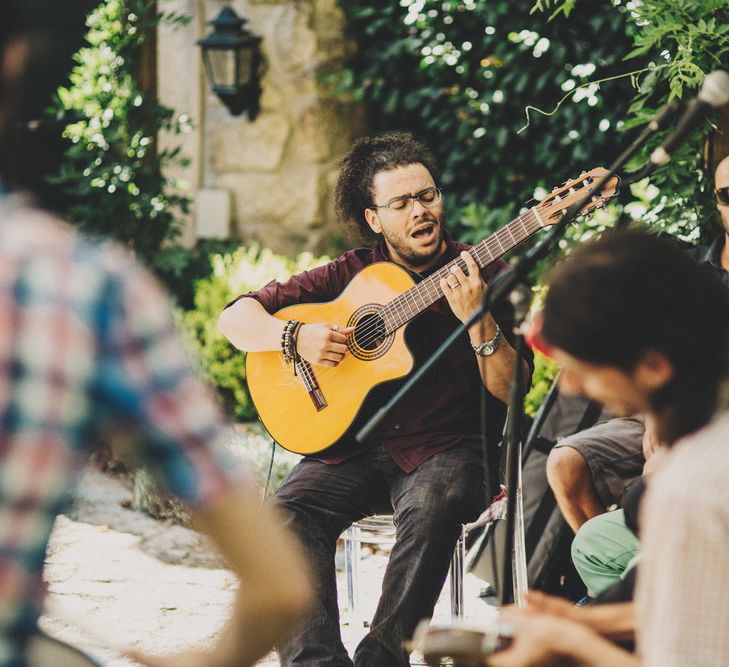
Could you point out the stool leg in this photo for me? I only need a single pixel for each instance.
(456, 577)
(352, 555)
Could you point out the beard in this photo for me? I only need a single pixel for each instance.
(418, 258)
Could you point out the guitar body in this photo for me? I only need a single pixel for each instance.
(307, 425)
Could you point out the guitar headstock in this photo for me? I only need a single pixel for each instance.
(560, 199)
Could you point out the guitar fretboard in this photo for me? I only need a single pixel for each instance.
(415, 300)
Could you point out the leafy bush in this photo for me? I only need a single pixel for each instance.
(459, 75)
(235, 273)
(112, 174)
(545, 371)
(682, 41)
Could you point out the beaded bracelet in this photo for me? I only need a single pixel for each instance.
(294, 343)
(288, 340)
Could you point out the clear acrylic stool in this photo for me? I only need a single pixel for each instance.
(379, 529)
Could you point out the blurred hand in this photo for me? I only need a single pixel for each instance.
(537, 640)
(542, 603)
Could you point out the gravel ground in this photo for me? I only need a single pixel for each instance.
(118, 578)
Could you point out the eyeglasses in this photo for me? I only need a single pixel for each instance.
(425, 197)
(722, 196)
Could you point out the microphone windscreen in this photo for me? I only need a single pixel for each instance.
(715, 89)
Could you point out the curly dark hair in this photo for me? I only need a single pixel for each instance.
(369, 156)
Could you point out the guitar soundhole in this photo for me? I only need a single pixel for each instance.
(370, 339)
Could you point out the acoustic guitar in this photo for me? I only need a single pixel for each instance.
(318, 407)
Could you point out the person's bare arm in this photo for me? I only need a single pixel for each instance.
(274, 579)
(249, 327)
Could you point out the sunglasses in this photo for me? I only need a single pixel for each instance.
(722, 196)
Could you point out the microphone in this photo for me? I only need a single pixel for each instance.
(714, 93)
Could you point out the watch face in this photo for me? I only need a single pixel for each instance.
(487, 348)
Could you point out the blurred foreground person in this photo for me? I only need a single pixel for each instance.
(636, 324)
(88, 347)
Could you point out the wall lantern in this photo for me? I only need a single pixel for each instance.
(232, 57)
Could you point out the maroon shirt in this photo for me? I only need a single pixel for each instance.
(442, 410)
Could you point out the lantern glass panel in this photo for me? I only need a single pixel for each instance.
(221, 66)
(245, 58)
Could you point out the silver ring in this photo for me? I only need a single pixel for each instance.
(335, 327)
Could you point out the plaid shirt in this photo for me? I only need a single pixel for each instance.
(87, 348)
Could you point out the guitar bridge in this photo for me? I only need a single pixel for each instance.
(306, 372)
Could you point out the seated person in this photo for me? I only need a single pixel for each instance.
(640, 352)
(589, 471)
(606, 546)
(424, 463)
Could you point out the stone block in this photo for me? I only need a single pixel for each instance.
(326, 129)
(212, 213)
(288, 200)
(290, 37)
(241, 145)
(329, 20)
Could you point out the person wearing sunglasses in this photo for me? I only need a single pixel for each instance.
(717, 253)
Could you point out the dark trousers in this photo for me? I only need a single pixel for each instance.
(428, 505)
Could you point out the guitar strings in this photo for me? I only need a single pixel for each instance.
(371, 332)
(431, 285)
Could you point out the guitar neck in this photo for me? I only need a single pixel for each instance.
(414, 301)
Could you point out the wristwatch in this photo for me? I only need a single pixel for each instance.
(487, 348)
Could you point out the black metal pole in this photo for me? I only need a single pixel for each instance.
(521, 299)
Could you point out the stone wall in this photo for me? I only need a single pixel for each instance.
(269, 180)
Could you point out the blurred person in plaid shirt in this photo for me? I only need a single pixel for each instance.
(88, 346)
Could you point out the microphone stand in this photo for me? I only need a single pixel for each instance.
(520, 298)
(496, 294)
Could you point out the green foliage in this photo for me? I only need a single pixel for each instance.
(113, 173)
(254, 445)
(180, 268)
(235, 273)
(545, 372)
(459, 74)
(691, 38)
(684, 40)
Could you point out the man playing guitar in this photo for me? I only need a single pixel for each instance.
(424, 463)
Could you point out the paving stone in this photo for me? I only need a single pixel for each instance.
(111, 583)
